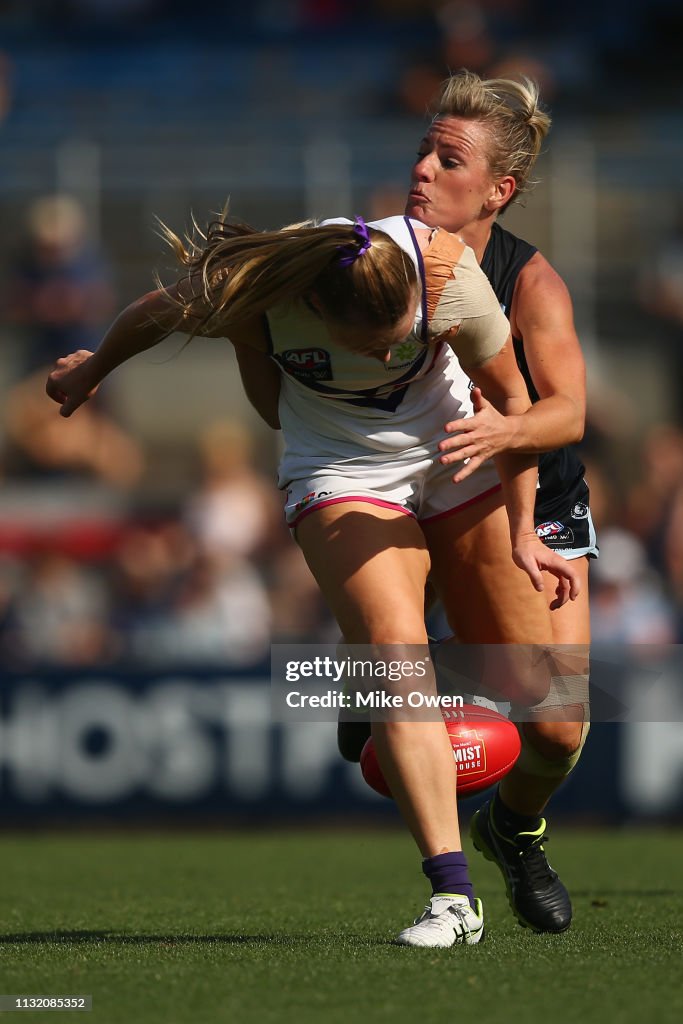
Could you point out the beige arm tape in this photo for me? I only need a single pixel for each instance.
(567, 702)
(467, 313)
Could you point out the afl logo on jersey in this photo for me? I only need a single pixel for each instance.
(555, 534)
(549, 529)
(580, 510)
(307, 364)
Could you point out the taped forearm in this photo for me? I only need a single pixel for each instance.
(462, 308)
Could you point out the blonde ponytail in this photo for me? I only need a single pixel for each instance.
(235, 273)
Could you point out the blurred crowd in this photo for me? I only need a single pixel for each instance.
(98, 578)
(213, 581)
(601, 43)
(219, 580)
(90, 574)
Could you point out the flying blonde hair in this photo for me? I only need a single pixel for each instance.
(234, 272)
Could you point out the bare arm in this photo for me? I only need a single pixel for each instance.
(139, 327)
(261, 382)
(503, 384)
(542, 314)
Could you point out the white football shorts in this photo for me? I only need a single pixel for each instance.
(410, 482)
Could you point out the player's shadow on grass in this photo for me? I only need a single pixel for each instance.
(123, 939)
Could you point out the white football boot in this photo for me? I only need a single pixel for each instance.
(446, 921)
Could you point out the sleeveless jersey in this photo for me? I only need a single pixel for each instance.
(335, 403)
(560, 472)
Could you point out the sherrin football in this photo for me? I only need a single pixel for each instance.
(485, 747)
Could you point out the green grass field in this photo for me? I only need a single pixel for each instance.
(297, 926)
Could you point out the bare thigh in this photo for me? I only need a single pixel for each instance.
(491, 603)
(371, 564)
(571, 623)
(556, 737)
(486, 597)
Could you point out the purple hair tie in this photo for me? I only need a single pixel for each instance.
(351, 252)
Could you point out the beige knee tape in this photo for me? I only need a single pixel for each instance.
(566, 702)
(533, 763)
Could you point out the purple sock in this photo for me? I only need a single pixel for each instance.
(448, 873)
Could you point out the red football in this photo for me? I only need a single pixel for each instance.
(485, 747)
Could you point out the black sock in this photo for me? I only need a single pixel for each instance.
(508, 822)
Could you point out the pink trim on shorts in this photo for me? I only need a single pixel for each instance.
(459, 508)
(349, 497)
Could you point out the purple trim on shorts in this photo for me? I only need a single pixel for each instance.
(459, 508)
(349, 497)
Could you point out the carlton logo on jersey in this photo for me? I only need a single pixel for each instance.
(307, 363)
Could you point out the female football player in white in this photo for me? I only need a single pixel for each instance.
(360, 320)
(474, 161)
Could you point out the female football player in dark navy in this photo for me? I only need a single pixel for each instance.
(476, 159)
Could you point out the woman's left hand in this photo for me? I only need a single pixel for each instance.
(71, 382)
(531, 555)
(476, 438)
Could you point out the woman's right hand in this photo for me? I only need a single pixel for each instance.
(530, 554)
(72, 382)
(477, 438)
